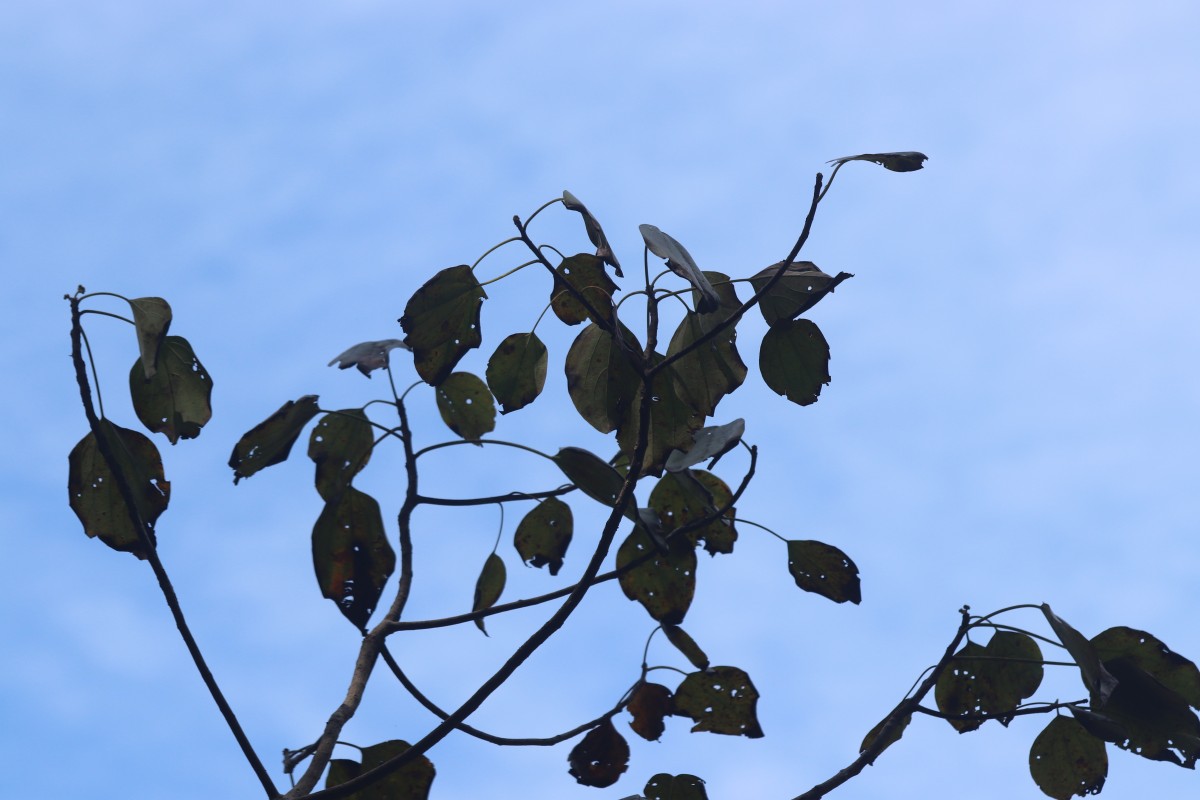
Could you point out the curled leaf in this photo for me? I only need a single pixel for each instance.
(907, 161)
(367, 356)
(686, 645)
(151, 319)
(489, 586)
(177, 399)
(708, 443)
(680, 261)
(270, 441)
(594, 232)
(801, 287)
(1099, 682)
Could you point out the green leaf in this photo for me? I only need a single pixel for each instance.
(989, 681)
(351, 554)
(686, 645)
(824, 569)
(681, 498)
(367, 356)
(1096, 678)
(600, 757)
(649, 704)
(151, 319)
(708, 443)
(1169, 668)
(664, 584)
(441, 321)
(270, 441)
(594, 232)
(600, 379)
(714, 369)
(909, 161)
(898, 731)
(544, 533)
(516, 372)
(176, 400)
(1066, 760)
(673, 420)
(489, 586)
(675, 787)
(958, 692)
(720, 700)
(594, 477)
(1157, 722)
(802, 286)
(95, 497)
(410, 782)
(586, 275)
(341, 445)
(794, 361)
(466, 405)
(680, 261)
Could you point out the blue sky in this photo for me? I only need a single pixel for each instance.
(1012, 416)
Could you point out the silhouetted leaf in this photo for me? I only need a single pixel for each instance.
(666, 583)
(489, 586)
(673, 419)
(681, 498)
(675, 787)
(649, 704)
(680, 262)
(367, 356)
(1167, 667)
(794, 361)
(176, 400)
(824, 569)
(715, 368)
(543, 534)
(586, 275)
(908, 161)
(270, 441)
(600, 757)
(897, 732)
(600, 379)
(410, 782)
(442, 321)
(720, 700)
(957, 691)
(802, 286)
(708, 443)
(340, 444)
(1157, 721)
(95, 497)
(594, 477)
(1066, 760)
(594, 232)
(151, 319)
(989, 681)
(516, 372)
(686, 645)
(1096, 678)
(351, 554)
(466, 405)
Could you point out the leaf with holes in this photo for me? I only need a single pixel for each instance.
(466, 405)
(680, 261)
(720, 700)
(516, 372)
(270, 441)
(686, 645)
(410, 782)
(340, 444)
(666, 582)
(989, 681)
(907, 161)
(367, 356)
(177, 399)
(1096, 678)
(600, 757)
(794, 361)
(715, 368)
(801, 287)
(824, 569)
(1156, 720)
(959, 691)
(441, 321)
(649, 704)
(594, 476)
(544, 533)
(675, 787)
(1066, 760)
(151, 319)
(681, 498)
(584, 274)
(1168, 668)
(351, 554)
(708, 444)
(600, 378)
(489, 586)
(594, 232)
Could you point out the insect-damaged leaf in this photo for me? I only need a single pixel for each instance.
(824, 569)
(989, 681)
(466, 405)
(1145, 650)
(681, 498)
(907, 161)
(442, 321)
(708, 443)
(594, 477)
(594, 232)
(95, 497)
(720, 700)
(367, 356)
(679, 260)
(410, 782)
(664, 584)
(151, 319)
(800, 288)
(600, 757)
(649, 704)
(351, 554)
(1066, 760)
(1155, 720)
(893, 736)
(794, 361)
(176, 400)
(686, 645)
(489, 586)
(543, 534)
(715, 368)
(516, 372)
(600, 378)
(585, 274)
(270, 441)
(673, 419)
(675, 787)
(340, 444)
(1096, 678)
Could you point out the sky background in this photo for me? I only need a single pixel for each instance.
(1012, 417)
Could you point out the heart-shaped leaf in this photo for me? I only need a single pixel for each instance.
(442, 321)
(270, 441)
(794, 361)
(720, 700)
(680, 261)
(516, 372)
(466, 405)
(594, 232)
(544, 533)
(824, 569)
(1066, 760)
(177, 399)
(367, 356)
(351, 554)
(601, 757)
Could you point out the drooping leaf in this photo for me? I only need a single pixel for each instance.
(715, 368)
(516, 372)
(894, 736)
(600, 378)
(600, 757)
(594, 232)
(664, 584)
(544, 533)
(270, 441)
(720, 700)
(176, 400)
(824, 569)
(1096, 678)
(681, 263)
(708, 444)
(410, 782)
(1157, 722)
(907, 161)
(151, 319)
(466, 405)
(351, 554)
(800, 288)
(794, 361)
(1066, 760)
(94, 494)
(489, 586)
(594, 476)
(367, 356)
(1167, 667)
(675, 787)
(340, 444)
(686, 645)
(673, 419)
(586, 275)
(681, 498)
(649, 704)
(441, 321)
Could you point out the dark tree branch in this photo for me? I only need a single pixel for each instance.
(500, 498)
